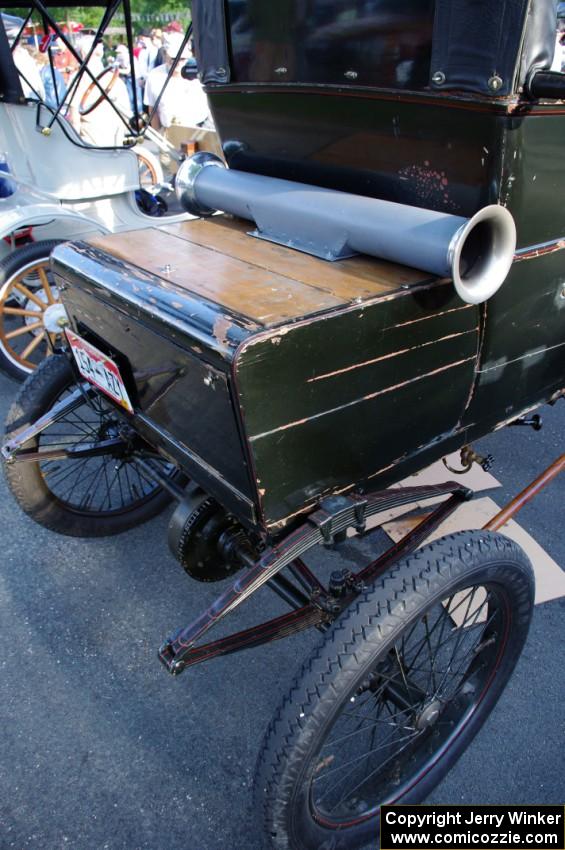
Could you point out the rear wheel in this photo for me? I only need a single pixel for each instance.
(30, 309)
(81, 497)
(396, 691)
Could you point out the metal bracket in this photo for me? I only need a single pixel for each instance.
(468, 458)
(114, 446)
(11, 448)
(334, 516)
(332, 512)
(535, 422)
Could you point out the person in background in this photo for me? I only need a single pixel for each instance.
(559, 55)
(30, 77)
(173, 26)
(100, 126)
(183, 101)
(157, 41)
(53, 80)
(146, 55)
(124, 68)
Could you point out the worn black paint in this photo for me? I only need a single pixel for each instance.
(457, 371)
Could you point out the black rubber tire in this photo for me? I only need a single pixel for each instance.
(363, 635)
(28, 485)
(10, 267)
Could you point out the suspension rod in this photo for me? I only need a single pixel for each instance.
(17, 439)
(288, 592)
(526, 495)
(173, 489)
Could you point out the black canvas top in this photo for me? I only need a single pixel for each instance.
(477, 45)
(210, 40)
(482, 46)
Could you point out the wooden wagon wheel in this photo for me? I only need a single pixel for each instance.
(30, 309)
(85, 109)
(148, 176)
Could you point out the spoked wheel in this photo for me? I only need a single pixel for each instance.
(150, 172)
(30, 309)
(396, 692)
(91, 496)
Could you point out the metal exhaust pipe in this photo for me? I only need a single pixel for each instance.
(476, 253)
(481, 253)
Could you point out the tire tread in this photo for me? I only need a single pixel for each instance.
(356, 635)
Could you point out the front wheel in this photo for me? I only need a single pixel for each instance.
(395, 693)
(92, 496)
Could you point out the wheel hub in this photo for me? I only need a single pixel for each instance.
(198, 532)
(54, 318)
(429, 715)
(109, 429)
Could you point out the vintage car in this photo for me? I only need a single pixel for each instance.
(56, 184)
(385, 284)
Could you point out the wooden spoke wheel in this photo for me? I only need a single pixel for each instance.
(30, 309)
(90, 101)
(148, 174)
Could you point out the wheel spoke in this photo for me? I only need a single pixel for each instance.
(30, 348)
(25, 329)
(126, 470)
(368, 716)
(119, 478)
(460, 635)
(79, 483)
(375, 724)
(89, 485)
(379, 767)
(432, 676)
(45, 284)
(444, 617)
(108, 495)
(376, 744)
(61, 474)
(407, 738)
(468, 655)
(382, 746)
(31, 296)
(19, 311)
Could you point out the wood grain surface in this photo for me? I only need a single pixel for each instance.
(268, 283)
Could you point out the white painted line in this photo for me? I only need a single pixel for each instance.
(550, 578)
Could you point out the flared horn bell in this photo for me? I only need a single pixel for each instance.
(481, 253)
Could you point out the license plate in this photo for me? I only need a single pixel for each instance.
(99, 370)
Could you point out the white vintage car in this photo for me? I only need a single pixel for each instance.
(53, 187)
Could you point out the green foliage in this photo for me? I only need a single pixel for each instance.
(145, 13)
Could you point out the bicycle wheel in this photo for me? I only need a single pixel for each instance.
(396, 691)
(91, 496)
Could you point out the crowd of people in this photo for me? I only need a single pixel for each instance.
(50, 73)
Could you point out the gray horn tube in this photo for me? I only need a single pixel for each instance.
(476, 253)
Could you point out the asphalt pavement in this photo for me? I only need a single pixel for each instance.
(100, 749)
